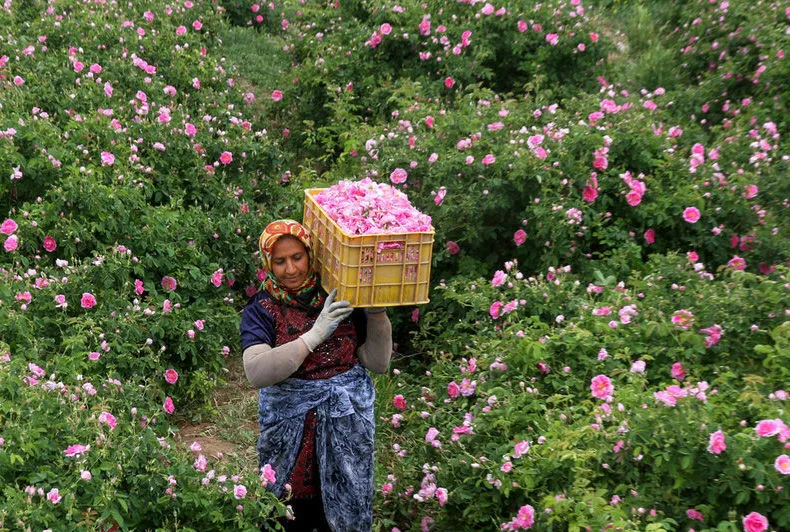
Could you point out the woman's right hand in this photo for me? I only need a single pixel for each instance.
(332, 314)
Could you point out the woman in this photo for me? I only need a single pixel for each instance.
(306, 353)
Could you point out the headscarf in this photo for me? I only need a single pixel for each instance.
(309, 294)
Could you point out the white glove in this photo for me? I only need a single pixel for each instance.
(332, 314)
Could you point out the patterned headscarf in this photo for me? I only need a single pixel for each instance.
(309, 294)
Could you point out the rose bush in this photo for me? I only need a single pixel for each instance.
(592, 174)
(90, 453)
(627, 367)
(101, 173)
(129, 214)
(592, 404)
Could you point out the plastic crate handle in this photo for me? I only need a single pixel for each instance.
(386, 246)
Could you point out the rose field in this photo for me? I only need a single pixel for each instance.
(607, 345)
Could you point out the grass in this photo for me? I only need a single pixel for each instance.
(256, 60)
(257, 56)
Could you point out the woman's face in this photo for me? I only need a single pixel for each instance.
(290, 262)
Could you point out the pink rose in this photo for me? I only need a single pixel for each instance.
(425, 27)
(226, 157)
(398, 176)
(168, 405)
(682, 319)
(107, 158)
(600, 163)
(452, 247)
(650, 236)
(755, 522)
(108, 419)
(88, 300)
(11, 243)
(169, 284)
(768, 427)
(525, 517)
(239, 491)
(494, 309)
(49, 244)
(453, 390)
(519, 237)
(441, 496)
(717, 443)
(678, 372)
(171, 376)
(520, 449)
(399, 402)
(499, 278)
(691, 215)
(54, 496)
(8, 227)
(782, 464)
(76, 450)
(431, 435)
(277, 95)
(449, 82)
(268, 475)
(601, 387)
(737, 263)
(439, 198)
(633, 198)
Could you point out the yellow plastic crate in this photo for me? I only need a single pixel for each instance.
(369, 270)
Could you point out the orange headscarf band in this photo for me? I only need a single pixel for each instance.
(276, 230)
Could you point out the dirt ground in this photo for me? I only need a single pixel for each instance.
(227, 434)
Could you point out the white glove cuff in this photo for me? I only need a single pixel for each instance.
(311, 339)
